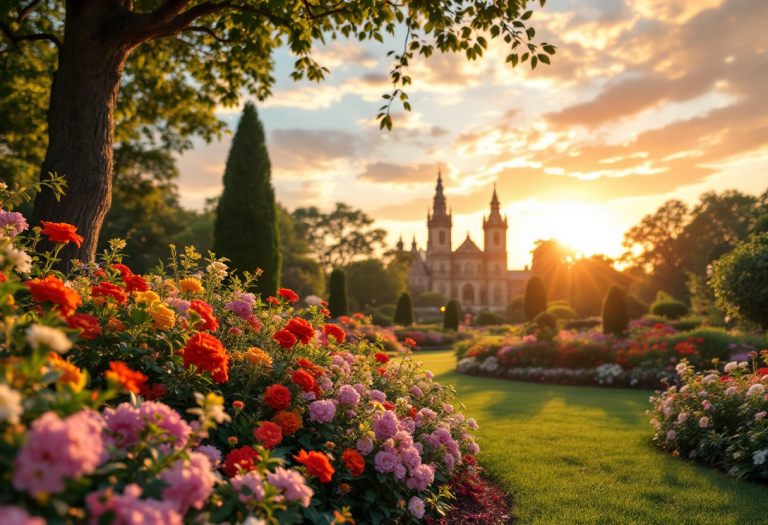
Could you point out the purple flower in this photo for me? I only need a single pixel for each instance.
(241, 308)
(377, 395)
(14, 220)
(348, 395)
(385, 426)
(322, 411)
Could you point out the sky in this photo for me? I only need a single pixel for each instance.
(645, 101)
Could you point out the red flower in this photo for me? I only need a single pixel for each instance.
(353, 461)
(326, 312)
(156, 392)
(285, 339)
(358, 315)
(51, 289)
(205, 310)
(412, 412)
(273, 300)
(317, 464)
(270, 433)
(699, 340)
(61, 232)
(725, 378)
(123, 269)
(85, 322)
(130, 379)
(288, 294)
(335, 331)
(238, 404)
(323, 303)
(109, 290)
(135, 283)
(241, 459)
(762, 372)
(410, 341)
(381, 371)
(301, 328)
(277, 396)
(3, 277)
(345, 319)
(381, 357)
(207, 353)
(315, 370)
(303, 379)
(389, 405)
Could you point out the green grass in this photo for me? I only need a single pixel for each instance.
(578, 455)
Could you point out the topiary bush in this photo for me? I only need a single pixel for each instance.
(535, 298)
(615, 314)
(582, 324)
(670, 309)
(338, 302)
(488, 318)
(546, 320)
(687, 324)
(562, 312)
(404, 310)
(451, 318)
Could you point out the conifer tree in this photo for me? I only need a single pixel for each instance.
(451, 319)
(404, 311)
(246, 230)
(615, 312)
(338, 304)
(535, 298)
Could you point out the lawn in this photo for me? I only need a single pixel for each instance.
(572, 455)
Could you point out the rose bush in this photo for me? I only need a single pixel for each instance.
(180, 397)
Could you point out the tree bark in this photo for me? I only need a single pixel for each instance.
(81, 120)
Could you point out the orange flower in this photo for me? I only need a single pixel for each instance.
(257, 356)
(71, 375)
(207, 353)
(61, 232)
(317, 464)
(277, 396)
(289, 422)
(313, 369)
(334, 331)
(130, 379)
(85, 322)
(205, 310)
(51, 289)
(270, 433)
(116, 324)
(353, 461)
(303, 379)
(301, 328)
(108, 290)
(190, 284)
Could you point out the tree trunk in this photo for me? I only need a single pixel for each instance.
(81, 122)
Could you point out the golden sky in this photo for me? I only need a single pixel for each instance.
(645, 100)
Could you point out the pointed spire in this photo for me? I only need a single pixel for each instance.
(414, 247)
(495, 198)
(439, 201)
(400, 245)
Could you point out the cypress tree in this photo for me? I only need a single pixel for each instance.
(246, 230)
(615, 312)
(404, 311)
(338, 304)
(451, 319)
(535, 298)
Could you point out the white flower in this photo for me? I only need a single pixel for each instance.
(760, 415)
(743, 364)
(681, 368)
(711, 378)
(10, 404)
(48, 336)
(218, 269)
(252, 520)
(730, 367)
(759, 456)
(731, 390)
(704, 422)
(756, 389)
(671, 435)
(684, 389)
(681, 417)
(17, 258)
(313, 300)
(655, 423)
(3, 186)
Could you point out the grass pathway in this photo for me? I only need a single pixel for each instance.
(579, 455)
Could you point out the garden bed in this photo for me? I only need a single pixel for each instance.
(485, 503)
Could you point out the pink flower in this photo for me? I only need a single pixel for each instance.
(400, 472)
(385, 461)
(449, 461)
(190, 483)
(59, 448)
(253, 481)
(364, 445)
(293, 483)
(241, 308)
(421, 478)
(322, 411)
(416, 391)
(348, 395)
(128, 422)
(18, 516)
(212, 453)
(377, 395)
(385, 426)
(474, 448)
(416, 506)
(410, 458)
(129, 509)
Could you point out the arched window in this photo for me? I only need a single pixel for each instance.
(496, 238)
(469, 269)
(441, 238)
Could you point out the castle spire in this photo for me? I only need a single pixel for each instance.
(414, 247)
(494, 219)
(439, 201)
(400, 245)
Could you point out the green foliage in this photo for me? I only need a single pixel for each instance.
(370, 282)
(615, 312)
(431, 299)
(488, 318)
(387, 309)
(246, 230)
(761, 225)
(535, 298)
(514, 310)
(581, 324)
(671, 309)
(404, 311)
(338, 303)
(546, 320)
(636, 307)
(686, 324)
(451, 317)
(562, 312)
(380, 319)
(740, 281)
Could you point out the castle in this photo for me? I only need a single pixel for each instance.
(477, 278)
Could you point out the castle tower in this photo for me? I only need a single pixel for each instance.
(495, 248)
(439, 226)
(400, 245)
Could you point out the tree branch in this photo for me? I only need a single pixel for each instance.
(15, 39)
(26, 10)
(209, 31)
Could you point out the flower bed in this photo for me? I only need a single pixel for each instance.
(644, 359)
(717, 417)
(180, 398)
(431, 336)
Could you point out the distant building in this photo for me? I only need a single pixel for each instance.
(477, 278)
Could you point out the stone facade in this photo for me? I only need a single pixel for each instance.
(477, 278)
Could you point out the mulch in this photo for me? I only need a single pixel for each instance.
(483, 503)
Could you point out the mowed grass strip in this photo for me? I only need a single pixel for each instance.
(579, 455)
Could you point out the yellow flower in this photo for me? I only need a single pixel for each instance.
(71, 375)
(190, 284)
(163, 316)
(257, 356)
(147, 298)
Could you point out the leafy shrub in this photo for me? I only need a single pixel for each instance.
(404, 310)
(615, 314)
(558, 302)
(380, 319)
(488, 318)
(686, 324)
(514, 310)
(636, 307)
(451, 319)
(582, 324)
(562, 312)
(535, 298)
(431, 299)
(338, 303)
(716, 342)
(387, 309)
(546, 320)
(669, 309)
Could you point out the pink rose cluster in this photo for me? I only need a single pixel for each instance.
(293, 485)
(127, 422)
(348, 395)
(189, 482)
(130, 509)
(322, 411)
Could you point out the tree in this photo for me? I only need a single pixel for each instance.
(740, 281)
(300, 271)
(341, 236)
(404, 311)
(615, 312)
(535, 298)
(372, 283)
(451, 318)
(215, 51)
(246, 230)
(338, 304)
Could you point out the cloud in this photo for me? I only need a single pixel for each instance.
(402, 174)
(344, 53)
(311, 150)
(311, 97)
